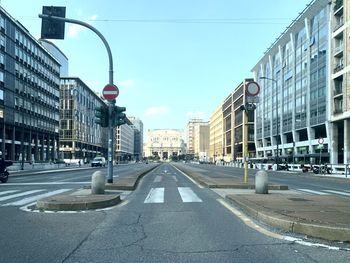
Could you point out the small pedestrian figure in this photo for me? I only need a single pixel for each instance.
(79, 163)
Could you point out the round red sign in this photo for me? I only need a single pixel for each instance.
(110, 92)
(252, 88)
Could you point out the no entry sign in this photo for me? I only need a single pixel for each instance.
(110, 92)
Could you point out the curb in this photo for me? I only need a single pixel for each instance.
(78, 202)
(285, 223)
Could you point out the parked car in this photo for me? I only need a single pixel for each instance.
(98, 161)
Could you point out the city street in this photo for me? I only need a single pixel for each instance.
(169, 218)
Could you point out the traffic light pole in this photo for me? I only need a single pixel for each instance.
(111, 103)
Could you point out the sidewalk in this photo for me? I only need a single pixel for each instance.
(326, 217)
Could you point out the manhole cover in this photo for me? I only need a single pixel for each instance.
(298, 199)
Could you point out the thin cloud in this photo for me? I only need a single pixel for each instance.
(159, 110)
(74, 29)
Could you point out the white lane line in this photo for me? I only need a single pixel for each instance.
(8, 192)
(48, 183)
(337, 192)
(187, 195)
(189, 178)
(175, 179)
(35, 198)
(20, 194)
(155, 195)
(158, 179)
(312, 191)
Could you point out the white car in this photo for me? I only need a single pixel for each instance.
(98, 161)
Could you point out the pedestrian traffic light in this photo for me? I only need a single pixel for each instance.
(50, 28)
(102, 116)
(119, 116)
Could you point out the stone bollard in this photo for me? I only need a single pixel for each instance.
(97, 183)
(261, 182)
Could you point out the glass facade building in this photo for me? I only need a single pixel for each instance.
(293, 74)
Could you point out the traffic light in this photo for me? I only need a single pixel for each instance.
(119, 116)
(102, 116)
(53, 29)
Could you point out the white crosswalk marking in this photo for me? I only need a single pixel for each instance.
(312, 191)
(8, 192)
(155, 195)
(4, 198)
(158, 179)
(35, 198)
(187, 195)
(338, 192)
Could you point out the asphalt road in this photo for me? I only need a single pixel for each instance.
(168, 218)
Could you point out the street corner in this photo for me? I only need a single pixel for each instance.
(79, 201)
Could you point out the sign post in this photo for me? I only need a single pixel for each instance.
(320, 146)
(53, 17)
(252, 89)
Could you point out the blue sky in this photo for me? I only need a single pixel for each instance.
(173, 59)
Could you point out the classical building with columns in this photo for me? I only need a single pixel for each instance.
(164, 143)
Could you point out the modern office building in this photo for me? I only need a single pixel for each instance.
(339, 92)
(124, 142)
(216, 135)
(80, 137)
(291, 117)
(29, 95)
(201, 141)
(227, 127)
(137, 125)
(242, 120)
(164, 143)
(192, 132)
(58, 54)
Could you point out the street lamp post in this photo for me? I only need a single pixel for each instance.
(277, 127)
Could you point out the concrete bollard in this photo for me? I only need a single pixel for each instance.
(97, 183)
(261, 182)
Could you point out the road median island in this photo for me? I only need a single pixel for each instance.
(129, 182)
(80, 202)
(84, 200)
(223, 182)
(325, 217)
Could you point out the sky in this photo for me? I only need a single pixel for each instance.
(173, 59)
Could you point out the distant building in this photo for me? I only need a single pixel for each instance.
(138, 137)
(124, 143)
(227, 127)
(80, 136)
(197, 137)
(201, 141)
(164, 143)
(216, 135)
